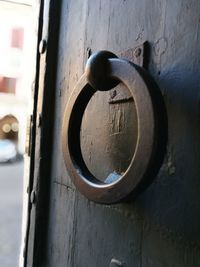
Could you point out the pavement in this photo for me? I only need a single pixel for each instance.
(11, 188)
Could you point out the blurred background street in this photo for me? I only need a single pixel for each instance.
(18, 47)
(11, 186)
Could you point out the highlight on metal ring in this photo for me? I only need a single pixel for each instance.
(118, 70)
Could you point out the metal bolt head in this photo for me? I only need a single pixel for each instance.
(24, 251)
(39, 120)
(115, 263)
(137, 52)
(89, 52)
(42, 46)
(33, 197)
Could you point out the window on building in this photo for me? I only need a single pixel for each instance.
(17, 38)
(7, 85)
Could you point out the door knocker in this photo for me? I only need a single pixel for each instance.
(103, 72)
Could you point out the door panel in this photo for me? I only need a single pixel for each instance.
(161, 226)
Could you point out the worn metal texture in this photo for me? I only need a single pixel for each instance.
(161, 226)
(97, 71)
(139, 55)
(133, 78)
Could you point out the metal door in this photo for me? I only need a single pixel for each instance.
(158, 226)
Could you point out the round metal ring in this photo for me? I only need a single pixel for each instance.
(131, 76)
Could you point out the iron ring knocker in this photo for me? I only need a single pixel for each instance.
(132, 76)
